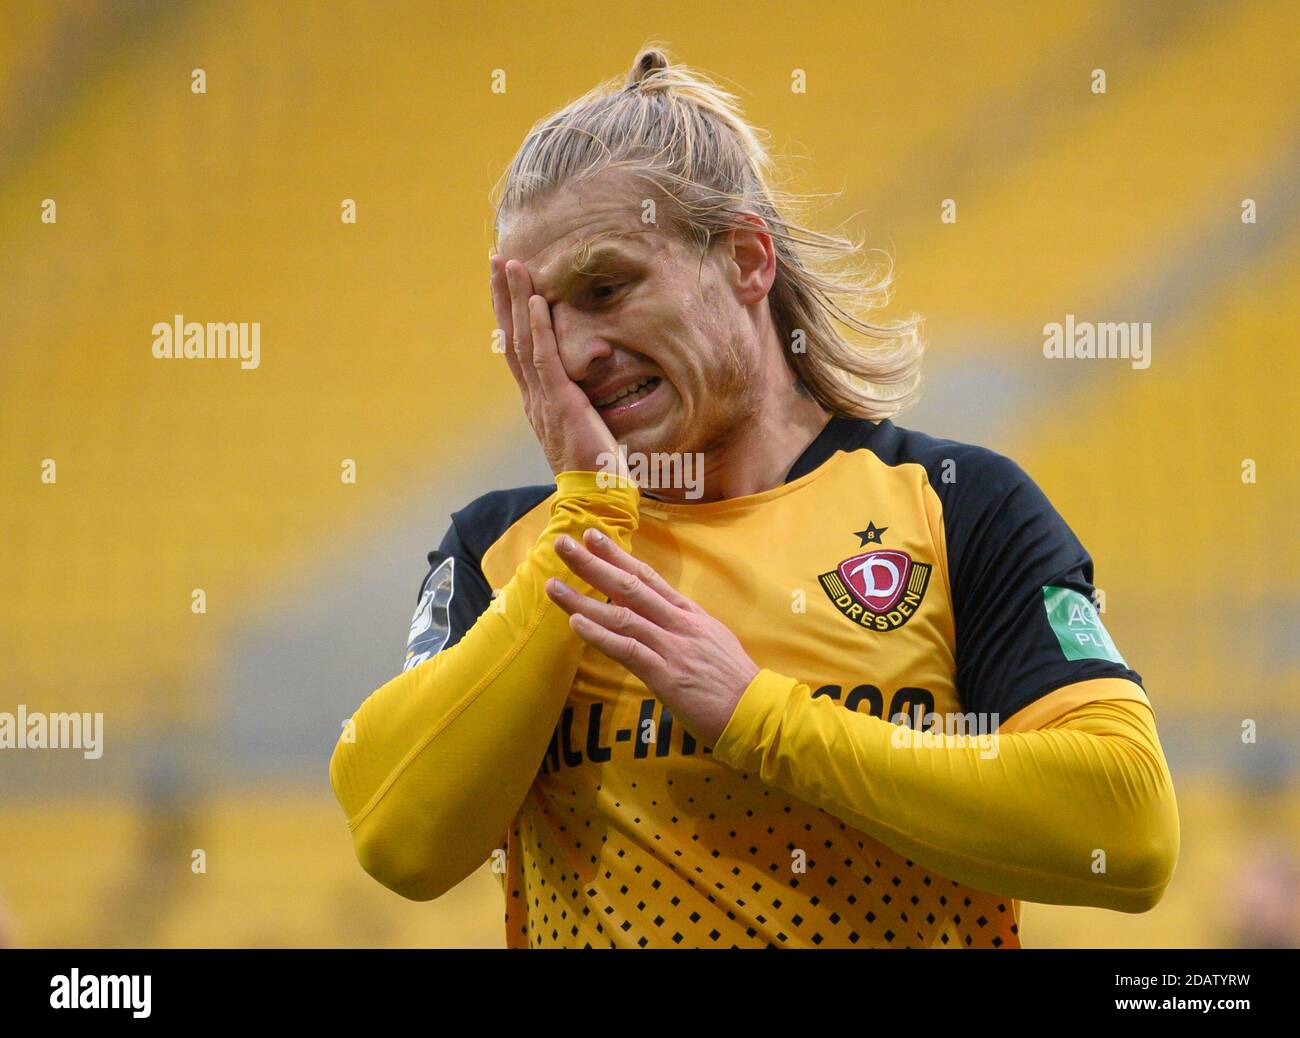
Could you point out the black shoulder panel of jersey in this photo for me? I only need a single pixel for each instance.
(454, 593)
(839, 434)
(1023, 597)
(482, 522)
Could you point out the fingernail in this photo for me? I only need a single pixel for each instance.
(564, 543)
(599, 537)
(557, 587)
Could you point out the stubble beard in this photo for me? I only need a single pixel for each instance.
(730, 403)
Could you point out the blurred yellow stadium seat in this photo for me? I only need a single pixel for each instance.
(225, 206)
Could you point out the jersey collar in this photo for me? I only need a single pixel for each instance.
(838, 434)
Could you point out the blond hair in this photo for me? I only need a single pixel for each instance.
(678, 130)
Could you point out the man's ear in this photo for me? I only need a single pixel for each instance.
(753, 259)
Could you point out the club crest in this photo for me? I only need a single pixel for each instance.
(879, 590)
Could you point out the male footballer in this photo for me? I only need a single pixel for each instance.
(849, 689)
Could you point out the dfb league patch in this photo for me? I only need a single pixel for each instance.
(431, 624)
(879, 590)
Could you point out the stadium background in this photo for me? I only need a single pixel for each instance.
(376, 338)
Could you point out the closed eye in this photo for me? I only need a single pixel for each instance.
(605, 291)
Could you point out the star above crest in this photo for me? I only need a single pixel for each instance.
(871, 535)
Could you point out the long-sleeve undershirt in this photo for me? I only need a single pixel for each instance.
(438, 761)
(1080, 811)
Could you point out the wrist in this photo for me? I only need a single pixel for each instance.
(575, 482)
(746, 730)
(590, 499)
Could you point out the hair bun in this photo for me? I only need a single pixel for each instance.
(647, 63)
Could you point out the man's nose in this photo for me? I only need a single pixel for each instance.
(581, 342)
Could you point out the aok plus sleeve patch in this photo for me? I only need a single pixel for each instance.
(1078, 627)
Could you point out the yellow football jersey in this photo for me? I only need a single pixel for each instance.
(894, 575)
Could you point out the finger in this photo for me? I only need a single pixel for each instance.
(500, 294)
(501, 310)
(616, 618)
(520, 290)
(640, 659)
(622, 587)
(520, 338)
(546, 351)
(607, 549)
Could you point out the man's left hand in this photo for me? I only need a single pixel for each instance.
(690, 661)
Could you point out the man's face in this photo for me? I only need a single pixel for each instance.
(656, 339)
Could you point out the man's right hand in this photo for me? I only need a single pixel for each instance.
(573, 435)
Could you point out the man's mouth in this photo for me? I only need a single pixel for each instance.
(627, 395)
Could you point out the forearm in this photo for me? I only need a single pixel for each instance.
(1040, 820)
(441, 757)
